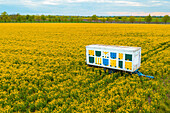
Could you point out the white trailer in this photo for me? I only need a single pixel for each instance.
(114, 57)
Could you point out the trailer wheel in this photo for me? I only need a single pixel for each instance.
(110, 71)
(105, 70)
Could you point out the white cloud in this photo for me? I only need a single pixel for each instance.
(138, 13)
(129, 3)
(52, 2)
(117, 2)
(155, 1)
(62, 2)
(29, 3)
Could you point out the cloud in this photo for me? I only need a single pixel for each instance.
(117, 2)
(138, 13)
(155, 1)
(51, 2)
(64, 2)
(30, 3)
(129, 3)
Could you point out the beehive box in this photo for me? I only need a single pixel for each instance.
(114, 57)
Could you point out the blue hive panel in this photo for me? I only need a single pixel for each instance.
(105, 62)
(113, 55)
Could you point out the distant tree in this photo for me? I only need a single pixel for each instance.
(107, 19)
(157, 20)
(71, 19)
(116, 19)
(12, 17)
(49, 19)
(33, 17)
(110, 20)
(30, 18)
(139, 19)
(124, 18)
(43, 18)
(148, 19)
(38, 18)
(53, 19)
(59, 19)
(4, 16)
(77, 19)
(4, 13)
(132, 19)
(23, 18)
(81, 19)
(165, 19)
(103, 20)
(65, 19)
(19, 18)
(27, 17)
(89, 20)
(94, 17)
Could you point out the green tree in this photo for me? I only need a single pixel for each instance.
(124, 19)
(94, 17)
(148, 19)
(71, 19)
(27, 17)
(103, 20)
(19, 19)
(110, 20)
(30, 18)
(23, 18)
(59, 19)
(116, 19)
(4, 16)
(81, 19)
(89, 20)
(139, 19)
(165, 19)
(157, 20)
(38, 18)
(107, 19)
(33, 18)
(132, 19)
(49, 19)
(65, 19)
(43, 18)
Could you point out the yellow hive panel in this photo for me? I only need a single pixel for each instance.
(128, 65)
(98, 61)
(105, 53)
(121, 56)
(113, 63)
(91, 52)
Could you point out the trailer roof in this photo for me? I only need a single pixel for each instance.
(115, 47)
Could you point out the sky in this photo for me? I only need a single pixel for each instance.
(87, 7)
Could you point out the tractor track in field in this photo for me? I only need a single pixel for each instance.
(154, 51)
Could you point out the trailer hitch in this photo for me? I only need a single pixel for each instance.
(140, 74)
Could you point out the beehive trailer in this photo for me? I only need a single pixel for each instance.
(114, 58)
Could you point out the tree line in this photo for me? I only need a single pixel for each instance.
(132, 19)
(4, 17)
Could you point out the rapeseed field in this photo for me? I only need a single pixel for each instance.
(42, 68)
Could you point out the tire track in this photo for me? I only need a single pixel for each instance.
(155, 51)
